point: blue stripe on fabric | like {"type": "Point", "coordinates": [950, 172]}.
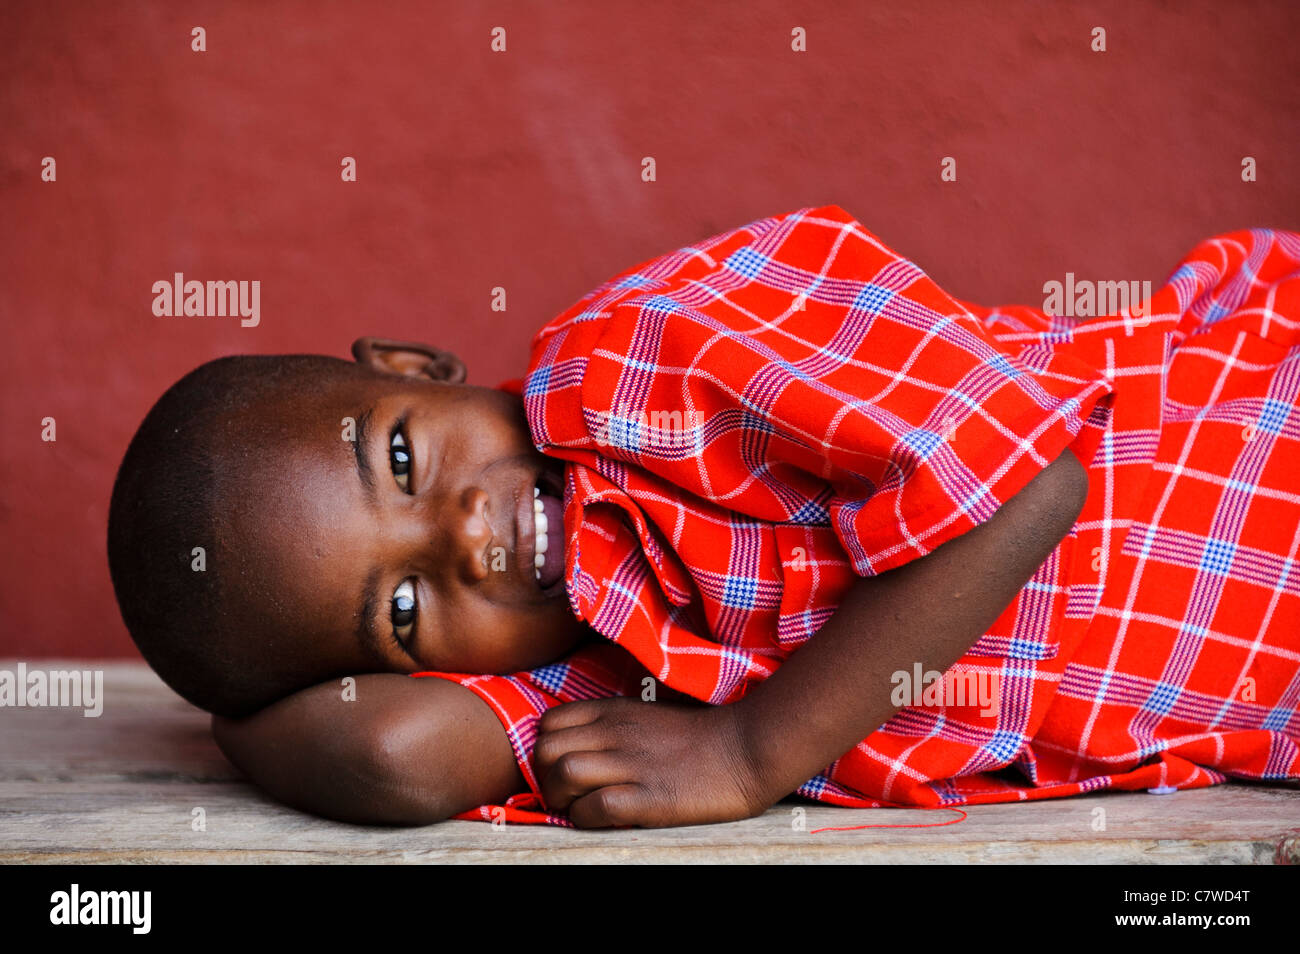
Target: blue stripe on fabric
{"type": "Point", "coordinates": [1218, 556]}
{"type": "Point", "coordinates": [1273, 416]}
{"type": "Point", "coordinates": [746, 262]}
{"type": "Point", "coordinates": [1162, 698]}
{"type": "Point", "coordinates": [538, 382]}
{"type": "Point", "coordinates": [873, 298]}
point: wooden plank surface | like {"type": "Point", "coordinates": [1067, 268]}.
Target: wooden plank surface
{"type": "Point", "coordinates": [123, 787]}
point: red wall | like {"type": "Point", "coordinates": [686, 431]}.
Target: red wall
{"type": "Point", "coordinates": [521, 169]}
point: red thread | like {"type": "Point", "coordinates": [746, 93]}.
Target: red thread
{"type": "Point", "coordinates": [952, 821]}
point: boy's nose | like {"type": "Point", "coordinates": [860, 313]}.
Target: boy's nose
{"type": "Point", "coordinates": [459, 532]}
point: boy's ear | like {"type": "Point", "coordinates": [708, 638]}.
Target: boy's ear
{"type": "Point", "coordinates": [407, 357]}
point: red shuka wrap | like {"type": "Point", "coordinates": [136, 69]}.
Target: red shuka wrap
{"type": "Point", "coordinates": [752, 422]}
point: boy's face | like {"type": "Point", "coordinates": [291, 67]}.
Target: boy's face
{"type": "Point", "coordinates": [410, 547]}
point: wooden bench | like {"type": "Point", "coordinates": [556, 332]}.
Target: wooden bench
{"type": "Point", "coordinates": [124, 787]}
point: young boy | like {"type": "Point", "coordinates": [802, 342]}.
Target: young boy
{"type": "Point", "coordinates": [783, 438]}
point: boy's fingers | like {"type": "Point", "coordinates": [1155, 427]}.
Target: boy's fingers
{"type": "Point", "coordinates": [577, 773]}
{"type": "Point", "coordinates": [571, 714]}
{"type": "Point", "coordinates": [551, 746]}
{"type": "Point", "coordinates": [611, 805]}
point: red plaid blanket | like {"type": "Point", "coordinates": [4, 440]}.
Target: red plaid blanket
{"type": "Point", "coordinates": [753, 421]}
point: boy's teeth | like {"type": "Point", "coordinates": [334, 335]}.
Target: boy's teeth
{"type": "Point", "coordinates": [541, 530]}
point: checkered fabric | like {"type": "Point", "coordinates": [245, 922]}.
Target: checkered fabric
{"type": "Point", "coordinates": [752, 422]}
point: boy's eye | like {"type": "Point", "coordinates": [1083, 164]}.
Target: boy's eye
{"type": "Point", "coordinates": [403, 614]}
{"type": "Point", "coordinates": [399, 458]}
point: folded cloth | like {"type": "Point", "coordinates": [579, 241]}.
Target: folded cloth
{"type": "Point", "coordinates": [752, 422]}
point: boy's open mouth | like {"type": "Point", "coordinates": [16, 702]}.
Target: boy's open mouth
{"type": "Point", "coordinates": [547, 551]}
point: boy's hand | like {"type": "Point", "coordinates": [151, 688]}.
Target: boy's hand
{"type": "Point", "coordinates": [626, 762]}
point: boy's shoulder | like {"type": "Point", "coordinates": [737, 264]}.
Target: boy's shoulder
{"type": "Point", "coordinates": [749, 367]}
{"type": "Point", "coordinates": [684, 275]}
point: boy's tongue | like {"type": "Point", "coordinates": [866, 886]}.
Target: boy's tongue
{"type": "Point", "coordinates": [553, 568]}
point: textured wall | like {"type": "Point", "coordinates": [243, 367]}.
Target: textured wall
{"type": "Point", "coordinates": [521, 169]}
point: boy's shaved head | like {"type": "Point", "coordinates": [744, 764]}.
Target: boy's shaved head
{"type": "Point", "coordinates": [282, 520]}
{"type": "Point", "coordinates": [177, 586]}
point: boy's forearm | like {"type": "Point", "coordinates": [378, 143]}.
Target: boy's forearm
{"type": "Point", "coordinates": [404, 751]}
{"type": "Point", "coordinates": [836, 689]}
